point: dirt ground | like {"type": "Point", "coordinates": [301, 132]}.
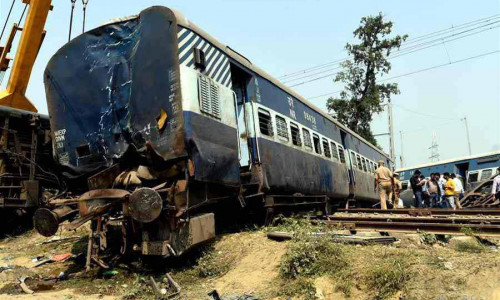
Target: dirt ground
{"type": "Point", "coordinates": [249, 263]}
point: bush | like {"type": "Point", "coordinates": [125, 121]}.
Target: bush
{"type": "Point", "coordinates": [313, 256]}
{"type": "Point", "coordinates": [428, 238]}
{"type": "Point", "coordinates": [388, 277]}
{"type": "Point", "coordinates": [470, 247]}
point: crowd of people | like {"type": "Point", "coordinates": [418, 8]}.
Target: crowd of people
{"type": "Point", "coordinates": [437, 191]}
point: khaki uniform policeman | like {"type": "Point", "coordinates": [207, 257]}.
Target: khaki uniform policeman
{"type": "Point", "coordinates": [384, 182]}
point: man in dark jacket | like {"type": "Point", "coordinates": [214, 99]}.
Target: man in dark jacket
{"type": "Point", "coordinates": [416, 186]}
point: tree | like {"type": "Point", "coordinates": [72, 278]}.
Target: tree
{"type": "Point", "coordinates": [362, 95]}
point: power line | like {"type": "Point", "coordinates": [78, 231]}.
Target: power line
{"type": "Point", "coordinates": [425, 114]}
{"type": "Point", "coordinates": [421, 70]}
{"type": "Point", "coordinates": [407, 42]}
{"type": "Point", "coordinates": [402, 52]}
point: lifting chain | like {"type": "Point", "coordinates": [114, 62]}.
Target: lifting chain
{"type": "Point", "coordinates": [84, 2]}
{"type": "Point", "coordinates": [71, 19]}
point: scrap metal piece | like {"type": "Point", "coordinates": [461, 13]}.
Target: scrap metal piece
{"type": "Point", "coordinates": [145, 205]}
{"type": "Point", "coordinates": [46, 221]}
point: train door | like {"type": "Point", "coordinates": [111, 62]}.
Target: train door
{"type": "Point", "coordinates": [350, 172]}
{"type": "Point", "coordinates": [240, 80]}
{"type": "Point", "coordinates": [462, 170]}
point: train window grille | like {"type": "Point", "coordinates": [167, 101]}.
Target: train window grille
{"type": "Point", "coordinates": [363, 160]}
{"type": "Point", "coordinates": [335, 155]}
{"type": "Point", "coordinates": [486, 174]}
{"type": "Point", "coordinates": [326, 149]}
{"type": "Point", "coordinates": [317, 144]}
{"type": "Point", "coordinates": [307, 139]}
{"type": "Point", "coordinates": [353, 160]}
{"type": "Point", "coordinates": [265, 123]}
{"type": "Point", "coordinates": [294, 129]}
{"type": "Point", "coordinates": [282, 128]}
{"type": "Point", "coordinates": [341, 154]}
{"type": "Point", "coordinates": [360, 165]}
{"type": "Point", "coordinates": [209, 97]}
{"type": "Point", "coordinates": [473, 177]}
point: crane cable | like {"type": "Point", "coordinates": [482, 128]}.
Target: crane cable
{"type": "Point", "coordinates": [84, 2]}
{"type": "Point", "coordinates": [22, 15]}
{"type": "Point", "coordinates": [7, 20]}
{"type": "Point", "coordinates": [71, 19]}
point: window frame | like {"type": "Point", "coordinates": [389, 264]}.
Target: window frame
{"type": "Point", "coordinates": [354, 160]}
{"type": "Point", "coordinates": [341, 157]}
{"type": "Point", "coordinates": [326, 151]}
{"type": "Point", "coordinates": [334, 151]}
{"type": "Point", "coordinates": [317, 148]}
{"type": "Point", "coordinates": [298, 137]}
{"type": "Point", "coordinates": [284, 129]}
{"type": "Point", "coordinates": [307, 140]}
{"type": "Point", "coordinates": [269, 126]}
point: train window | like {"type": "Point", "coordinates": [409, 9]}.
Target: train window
{"type": "Point", "coordinates": [360, 164]}
{"type": "Point", "coordinates": [353, 160]}
{"type": "Point", "coordinates": [473, 177]}
{"type": "Point", "coordinates": [317, 144]}
{"type": "Point", "coordinates": [307, 139]}
{"type": "Point", "coordinates": [341, 154]}
{"type": "Point", "coordinates": [326, 148]}
{"type": "Point", "coordinates": [486, 174]}
{"type": "Point", "coordinates": [364, 164]}
{"type": "Point", "coordinates": [404, 185]}
{"type": "Point", "coordinates": [295, 135]}
{"type": "Point", "coordinates": [282, 128]}
{"type": "Point", "coordinates": [335, 155]}
{"type": "Point", "coordinates": [265, 124]}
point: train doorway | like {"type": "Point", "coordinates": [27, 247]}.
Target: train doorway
{"type": "Point", "coordinates": [240, 80]}
{"type": "Point", "coordinates": [462, 170]}
{"type": "Point", "coordinates": [343, 136]}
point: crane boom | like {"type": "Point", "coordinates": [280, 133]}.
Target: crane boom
{"type": "Point", "coordinates": [29, 44]}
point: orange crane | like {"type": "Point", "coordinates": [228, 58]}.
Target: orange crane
{"type": "Point", "coordinates": [31, 39]}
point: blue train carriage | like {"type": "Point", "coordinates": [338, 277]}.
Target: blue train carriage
{"type": "Point", "coordinates": [292, 146]}
{"type": "Point", "coordinates": [472, 170]}
{"type": "Point", "coordinates": [160, 101]}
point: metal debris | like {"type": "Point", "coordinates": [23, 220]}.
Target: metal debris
{"type": "Point", "coordinates": [338, 238]}
{"type": "Point", "coordinates": [162, 292]}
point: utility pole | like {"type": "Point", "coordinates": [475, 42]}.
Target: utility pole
{"type": "Point", "coordinates": [391, 131]}
{"type": "Point", "coordinates": [401, 156]}
{"type": "Point", "coordinates": [467, 132]}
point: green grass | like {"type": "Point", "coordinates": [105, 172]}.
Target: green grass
{"type": "Point", "coordinates": [388, 276]}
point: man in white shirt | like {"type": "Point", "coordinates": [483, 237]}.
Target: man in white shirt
{"type": "Point", "coordinates": [495, 190]}
{"type": "Point", "coordinates": [459, 190]}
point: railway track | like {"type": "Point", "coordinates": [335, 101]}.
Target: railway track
{"type": "Point", "coordinates": [437, 221]}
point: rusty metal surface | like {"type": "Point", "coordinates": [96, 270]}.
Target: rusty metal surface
{"type": "Point", "coordinates": [46, 221]}
{"type": "Point", "coordinates": [145, 205]}
{"type": "Point", "coordinates": [438, 220]}
{"type": "Point", "coordinates": [436, 228]}
{"type": "Point", "coordinates": [104, 179]}
{"type": "Point", "coordinates": [434, 212]}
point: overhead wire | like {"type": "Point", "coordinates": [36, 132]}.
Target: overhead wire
{"type": "Point", "coordinates": [407, 42]}
{"type": "Point", "coordinates": [420, 70]}
{"type": "Point", "coordinates": [434, 44]}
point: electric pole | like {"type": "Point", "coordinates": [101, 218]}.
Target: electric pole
{"type": "Point", "coordinates": [401, 156]}
{"type": "Point", "coordinates": [467, 133]}
{"type": "Point", "coordinates": [391, 131]}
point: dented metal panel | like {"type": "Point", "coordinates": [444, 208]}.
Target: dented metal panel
{"type": "Point", "coordinates": [126, 96]}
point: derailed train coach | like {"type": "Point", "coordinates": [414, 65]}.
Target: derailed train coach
{"type": "Point", "coordinates": [156, 122]}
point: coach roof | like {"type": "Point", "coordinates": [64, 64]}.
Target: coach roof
{"type": "Point", "coordinates": [183, 21]}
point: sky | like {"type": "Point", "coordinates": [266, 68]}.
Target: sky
{"type": "Point", "coordinates": [286, 36]}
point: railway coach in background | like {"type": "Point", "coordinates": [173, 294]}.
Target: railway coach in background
{"type": "Point", "coordinates": [471, 170]}
{"type": "Point", "coordinates": [169, 128]}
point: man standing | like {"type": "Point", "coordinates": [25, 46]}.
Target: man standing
{"type": "Point", "coordinates": [416, 186]}
{"type": "Point", "coordinates": [434, 190]}
{"type": "Point", "coordinates": [495, 190]}
{"type": "Point", "coordinates": [383, 180]}
{"type": "Point", "coordinates": [449, 190]}
{"type": "Point", "coordinates": [459, 190]}
{"type": "Point", "coordinates": [398, 186]}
